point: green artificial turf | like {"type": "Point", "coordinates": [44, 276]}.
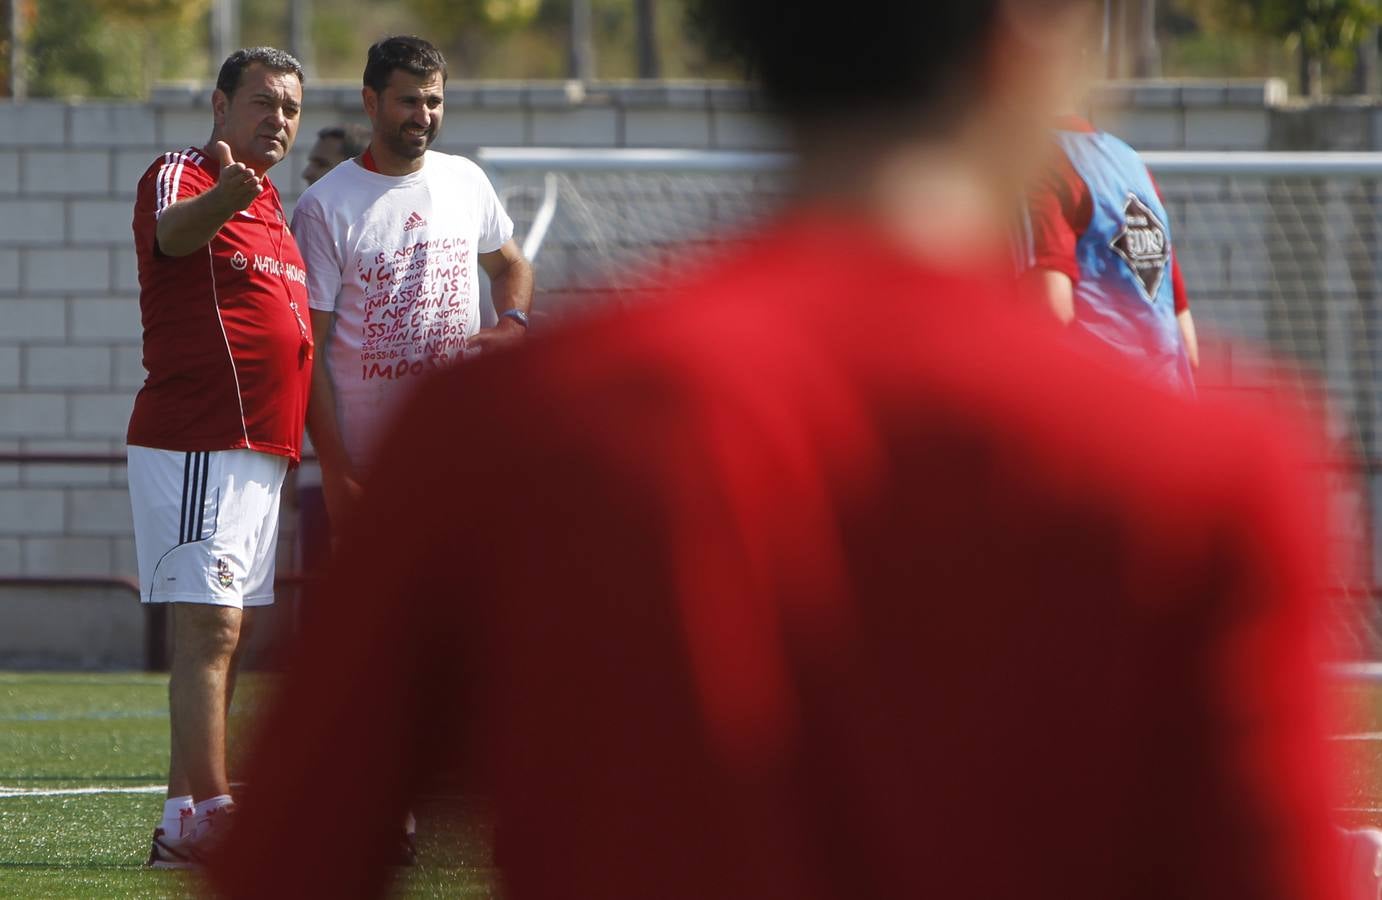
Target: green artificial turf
{"type": "Point", "coordinates": [109, 733]}
{"type": "Point", "coordinates": [1356, 754]}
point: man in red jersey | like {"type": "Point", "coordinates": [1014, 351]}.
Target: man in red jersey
{"type": "Point", "coordinates": [223, 297]}
{"type": "Point", "coordinates": [817, 580]}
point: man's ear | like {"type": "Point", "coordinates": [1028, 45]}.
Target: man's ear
{"type": "Point", "coordinates": [219, 103]}
{"type": "Point", "coordinates": [370, 99]}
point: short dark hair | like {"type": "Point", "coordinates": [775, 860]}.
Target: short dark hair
{"type": "Point", "coordinates": [411, 54]}
{"type": "Point", "coordinates": [271, 58]}
{"type": "Point", "coordinates": [908, 64]}
{"type": "Point", "coordinates": [353, 138]}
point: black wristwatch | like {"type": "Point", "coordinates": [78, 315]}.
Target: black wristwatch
{"type": "Point", "coordinates": [517, 315]}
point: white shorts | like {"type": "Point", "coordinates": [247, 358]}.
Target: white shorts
{"type": "Point", "coordinates": [206, 524]}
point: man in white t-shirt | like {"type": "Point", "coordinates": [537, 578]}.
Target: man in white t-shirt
{"type": "Point", "coordinates": [393, 242]}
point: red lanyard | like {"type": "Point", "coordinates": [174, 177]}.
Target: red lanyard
{"type": "Point", "coordinates": [303, 330]}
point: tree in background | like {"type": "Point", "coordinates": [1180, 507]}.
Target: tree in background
{"type": "Point", "coordinates": [649, 59]}
{"type": "Point", "coordinates": [156, 21]}
{"type": "Point", "coordinates": [17, 15]}
{"type": "Point", "coordinates": [109, 48]}
{"type": "Point", "coordinates": [532, 38]}
{"type": "Point", "coordinates": [463, 28]}
{"type": "Point", "coordinates": [1324, 35]}
{"type": "Point", "coordinates": [73, 53]}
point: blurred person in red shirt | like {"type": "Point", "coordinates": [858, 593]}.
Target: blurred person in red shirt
{"type": "Point", "coordinates": [829, 575]}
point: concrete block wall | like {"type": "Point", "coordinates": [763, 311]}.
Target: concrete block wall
{"type": "Point", "coordinates": [69, 324]}
{"type": "Point", "coordinates": [69, 317]}
{"type": "Point", "coordinates": [697, 115]}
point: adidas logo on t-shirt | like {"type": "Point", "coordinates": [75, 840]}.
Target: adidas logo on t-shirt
{"type": "Point", "coordinates": [414, 221]}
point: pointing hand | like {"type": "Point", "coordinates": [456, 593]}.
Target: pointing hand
{"type": "Point", "coordinates": [238, 183]}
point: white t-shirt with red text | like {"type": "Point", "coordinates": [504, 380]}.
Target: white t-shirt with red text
{"type": "Point", "coordinates": [394, 257]}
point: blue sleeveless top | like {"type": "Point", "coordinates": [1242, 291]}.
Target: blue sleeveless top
{"type": "Point", "coordinates": [1124, 296]}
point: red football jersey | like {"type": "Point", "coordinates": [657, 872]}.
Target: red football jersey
{"type": "Point", "coordinates": [227, 343]}
{"type": "Point", "coordinates": [813, 581]}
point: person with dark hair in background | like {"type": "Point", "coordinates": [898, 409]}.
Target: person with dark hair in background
{"type": "Point", "coordinates": [219, 420]}
{"type": "Point", "coordinates": [335, 144]}
{"type": "Point", "coordinates": [393, 243]}
{"type": "Point", "coordinates": [829, 575]}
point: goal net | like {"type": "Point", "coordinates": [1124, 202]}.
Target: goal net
{"type": "Point", "coordinates": [602, 226]}
{"type": "Point", "coordinates": [1283, 252]}
{"type": "Point", "coordinates": [1282, 256]}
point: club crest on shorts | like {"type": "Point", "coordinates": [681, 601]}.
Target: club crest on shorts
{"type": "Point", "coordinates": [223, 574]}
{"type": "Point", "coordinates": [1144, 245]}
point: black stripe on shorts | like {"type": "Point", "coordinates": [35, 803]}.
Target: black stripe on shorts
{"type": "Point", "coordinates": [182, 521]}
{"type": "Point", "coordinates": [195, 475]}
{"type": "Point", "coordinates": [201, 504]}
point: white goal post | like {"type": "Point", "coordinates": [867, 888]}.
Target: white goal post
{"type": "Point", "coordinates": [1280, 251]}
{"type": "Point", "coordinates": [1281, 164]}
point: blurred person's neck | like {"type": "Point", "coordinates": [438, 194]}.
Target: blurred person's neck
{"type": "Point", "coordinates": [942, 200]}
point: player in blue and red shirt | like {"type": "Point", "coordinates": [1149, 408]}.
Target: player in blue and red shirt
{"type": "Point", "coordinates": [1097, 249]}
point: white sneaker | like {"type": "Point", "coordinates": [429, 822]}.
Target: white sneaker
{"type": "Point", "coordinates": [209, 832]}
{"type": "Point", "coordinates": [167, 852]}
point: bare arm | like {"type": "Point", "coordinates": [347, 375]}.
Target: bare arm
{"type": "Point", "coordinates": [190, 224]}
{"type": "Point", "coordinates": [1054, 291]}
{"type": "Point", "coordinates": [511, 287]}
{"type": "Point", "coordinates": [1187, 332]}
{"type": "Point", "coordinates": [1187, 324]}
{"type": "Point", "coordinates": [340, 485]}
{"type": "Point", "coordinates": [511, 278]}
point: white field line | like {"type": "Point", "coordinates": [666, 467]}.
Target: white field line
{"type": "Point", "coordinates": [7, 791]}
